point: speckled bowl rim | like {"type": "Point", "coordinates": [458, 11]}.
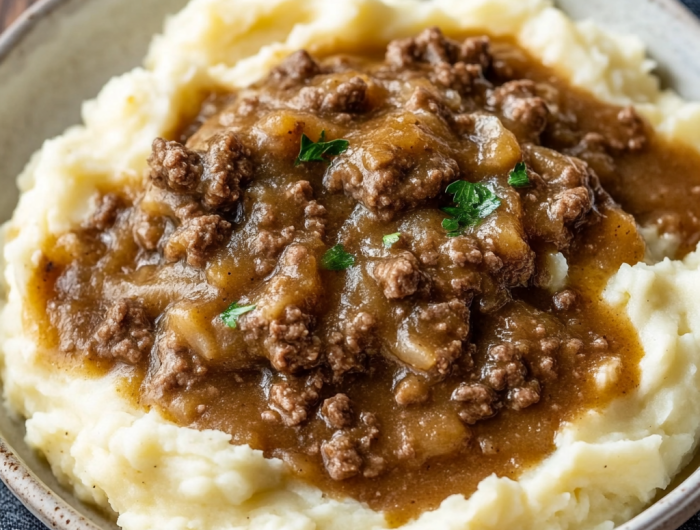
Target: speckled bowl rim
{"type": "Point", "coordinates": [669, 513]}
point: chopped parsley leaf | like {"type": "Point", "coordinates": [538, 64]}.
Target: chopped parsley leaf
{"type": "Point", "coordinates": [390, 239]}
{"type": "Point", "coordinates": [337, 259]}
{"type": "Point", "coordinates": [230, 316]}
{"type": "Point", "coordinates": [314, 151]}
{"type": "Point", "coordinates": [474, 202]}
{"type": "Point", "coordinates": [518, 177]}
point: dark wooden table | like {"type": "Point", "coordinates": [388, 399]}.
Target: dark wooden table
{"type": "Point", "coordinates": [11, 9]}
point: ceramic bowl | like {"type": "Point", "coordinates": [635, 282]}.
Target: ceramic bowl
{"type": "Point", "coordinates": [61, 52]}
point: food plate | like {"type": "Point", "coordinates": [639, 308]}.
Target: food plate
{"type": "Point", "coordinates": [61, 52]}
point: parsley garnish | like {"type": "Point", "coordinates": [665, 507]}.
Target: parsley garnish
{"type": "Point", "coordinates": [474, 202]}
{"type": "Point", "coordinates": [230, 316]}
{"type": "Point", "coordinates": [337, 259]}
{"type": "Point", "coordinates": [518, 177]}
{"type": "Point", "coordinates": [313, 152]}
{"type": "Point", "coordinates": [390, 239]}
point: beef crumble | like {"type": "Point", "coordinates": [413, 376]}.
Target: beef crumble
{"type": "Point", "coordinates": [432, 361]}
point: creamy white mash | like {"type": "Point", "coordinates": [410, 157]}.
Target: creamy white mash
{"type": "Point", "coordinates": [155, 475]}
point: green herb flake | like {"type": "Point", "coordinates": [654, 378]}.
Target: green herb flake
{"type": "Point", "coordinates": [518, 177]}
{"type": "Point", "coordinates": [231, 315]}
{"type": "Point", "coordinates": [390, 239]}
{"type": "Point", "coordinates": [474, 202]}
{"type": "Point", "coordinates": [315, 151]}
{"type": "Point", "coordinates": [337, 259]}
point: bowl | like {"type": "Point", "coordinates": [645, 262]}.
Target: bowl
{"type": "Point", "coordinates": [61, 52]}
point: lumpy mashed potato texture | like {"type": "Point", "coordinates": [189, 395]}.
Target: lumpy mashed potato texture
{"type": "Point", "coordinates": [155, 475]}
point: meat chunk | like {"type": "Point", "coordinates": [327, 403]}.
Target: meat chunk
{"type": "Point", "coordinates": [392, 176]}
{"type": "Point", "coordinates": [294, 399]}
{"type": "Point", "coordinates": [522, 107]}
{"type": "Point", "coordinates": [295, 69]}
{"type": "Point", "coordinates": [460, 77]}
{"type": "Point", "coordinates": [505, 369]}
{"type": "Point", "coordinates": [424, 100]}
{"type": "Point", "coordinates": [464, 251]}
{"type": "Point", "coordinates": [562, 198]}
{"type": "Point", "coordinates": [179, 366]}
{"type": "Point", "coordinates": [524, 396]}
{"type": "Point", "coordinates": [432, 47]}
{"type": "Point", "coordinates": [477, 402]}
{"type": "Point", "coordinates": [633, 135]}
{"type": "Point", "coordinates": [398, 276]}
{"type": "Point", "coordinates": [106, 210]}
{"type": "Point", "coordinates": [340, 456]}
{"type": "Point", "coordinates": [196, 238]}
{"type": "Point", "coordinates": [148, 230]}
{"type": "Point", "coordinates": [564, 300]}
{"type": "Point", "coordinates": [268, 246]}
{"type": "Point", "coordinates": [301, 193]}
{"type": "Point", "coordinates": [338, 411]}
{"type": "Point", "coordinates": [174, 166]}
{"type": "Point", "coordinates": [289, 342]}
{"type": "Point", "coordinates": [281, 326]}
{"type": "Point", "coordinates": [213, 175]}
{"type": "Point", "coordinates": [347, 350]}
{"type": "Point", "coordinates": [433, 336]}
{"type": "Point", "coordinates": [345, 97]}
{"type": "Point", "coordinates": [126, 333]}
{"type": "Point", "coordinates": [227, 165]}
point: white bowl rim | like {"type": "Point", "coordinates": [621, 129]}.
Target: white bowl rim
{"type": "Point", "coordinates": [669, 513]}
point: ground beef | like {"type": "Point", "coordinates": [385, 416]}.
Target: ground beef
{"type": "Point", "coordinates": [347, 351]}
{"type": "Point", "coordinates": [341, 457]}
{"type": "Point", "coordinates": [212, 176]}
{"type": "Point", "coordinates": [450, 320]}
{"type": "Point", "coordinates": [268, 246]}
{"type": "Point", "coordinates": [520, 398]}
{"type": "Point", "coordinates": [338, 411]}
{"type": "Point", "coordinates": [227, 165]}
{"type": "Point", "coordinates": [126, 333]}
{"type": "Point", "coordinates": [106, 210]}
{"type": "Point", "coordinates": [399, 276]}
{"type": "Point", "coordinates": [422, 100]}
{"type": "Point", "coordinates": [297, 68]}
{"type": "Point", "coordinates": [301, 193]}
{"type": "Point", "coordinates": [564, 300]}
{"type": "Point", "coordinates": [294, 399]}
{"type": "Point", "coordinates": [476, 402]}
{"type": "Point", "coordinates": [520, 105]}
{"type": "Point", "coordinates": [505, 369]}
{"type": "Point", "coordinates": [179, 366]}
{"type": "Point", "coordinates": [634, 134]}
{"type": "Point", "coordinates": [148, 230]}
{"type": "Point", "coordinates": [175, 167]}
{"type": "Point", "coordinates": [460, 77]}
{"type": "Point", "coordinates": [463, 251]}
{"type": "Point", "coordinates": [346, 97]}
{"type": "Point", "coordinates": [287, 341]}
{"type": "Point", "coordinates": [388, 179]}
{"type": "Point", "coordinates": [561, 198]}
{"type": "Point", "coordinates": [196, 238]}
{"type": "Point", "coordinates": [432, 47]}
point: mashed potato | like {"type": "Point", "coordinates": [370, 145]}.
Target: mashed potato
{"type": "Point", "coordinates": [607, 466]}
